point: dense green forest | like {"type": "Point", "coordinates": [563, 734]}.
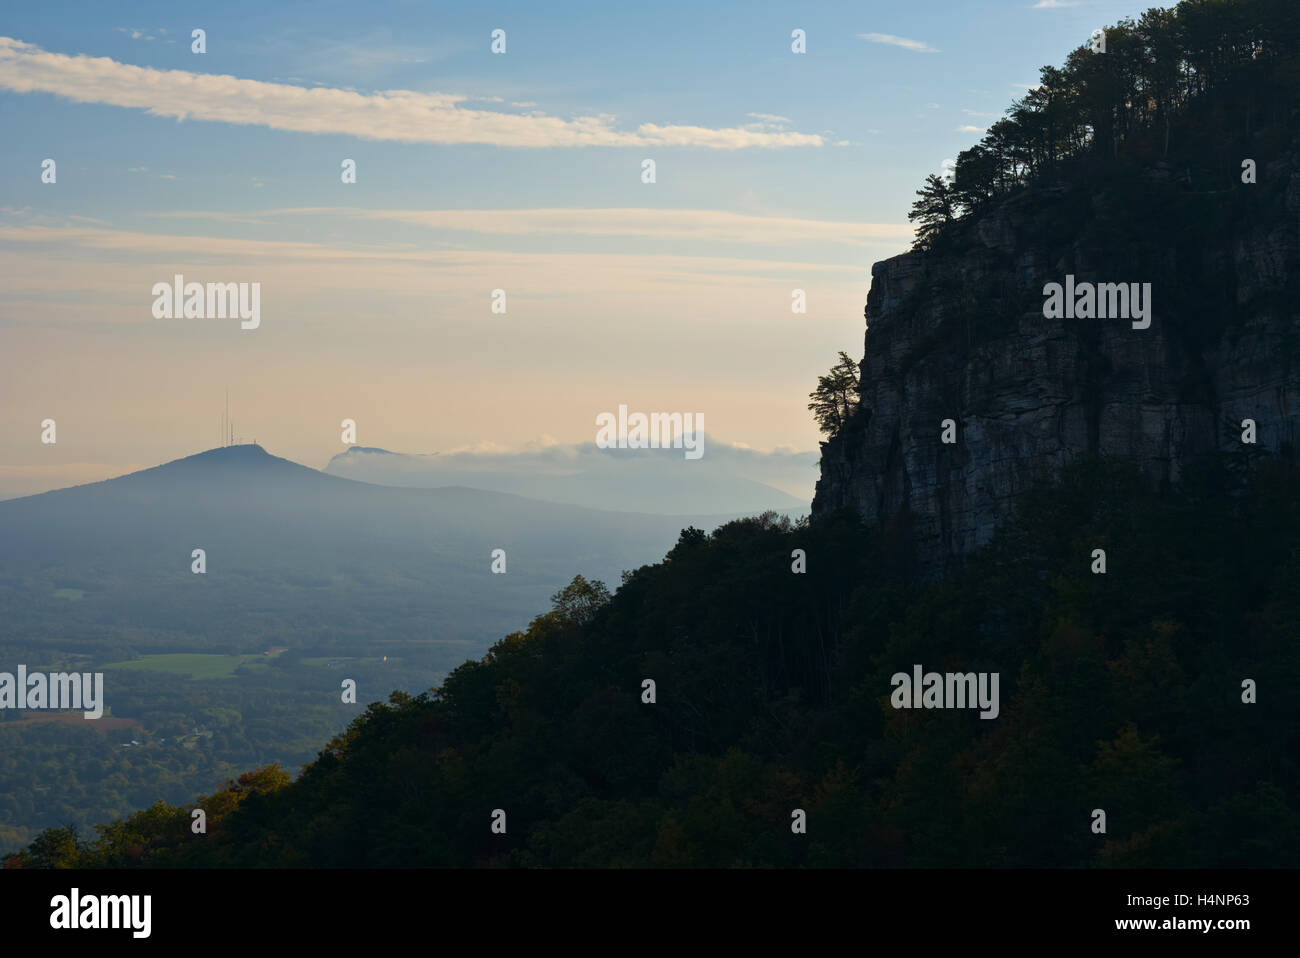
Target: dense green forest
{"type": "Point", "coordinates": [1120, 691]}
{"type": "Point", "coordinates": [1197, 87]}
{"type": "Point", "coordinates": [171, 734]}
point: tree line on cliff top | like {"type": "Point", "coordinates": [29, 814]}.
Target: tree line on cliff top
{"type": "Point", "coordinates": [1237, 61]}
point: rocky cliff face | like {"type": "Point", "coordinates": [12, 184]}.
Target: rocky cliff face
{"type": "Point", "coordinates": [959, 333]}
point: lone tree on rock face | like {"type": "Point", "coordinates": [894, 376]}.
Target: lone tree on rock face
{"type": "Point", "coordinates": [836, 395]}
{"type": "Point", "coordinates": [934, 209]}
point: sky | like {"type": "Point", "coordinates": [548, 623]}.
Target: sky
{"type": "Point", "coordinates": [520, 171]}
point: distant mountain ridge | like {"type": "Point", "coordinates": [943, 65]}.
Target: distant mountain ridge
{"type": "Point", "coordinates": [233, 460]}
{"type": "Point", "coordinates": [277, 534]}
{"type": "Point", "coordinates": [727, 479]}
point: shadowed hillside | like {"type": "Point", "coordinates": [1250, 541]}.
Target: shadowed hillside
{"type": "Point", "coordinates": [1120, 691]}
{"type": "Point", "coordinates": [1171, 161]}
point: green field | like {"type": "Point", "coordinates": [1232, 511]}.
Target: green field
{"type": "Point", "coordinates": [324, 661]}
{"type": "Point", "coordinates": [196, 665]}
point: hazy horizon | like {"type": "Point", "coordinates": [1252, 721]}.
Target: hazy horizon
{"type": "Point", "coordinates": [469, 465]}
{"type": "Point", "coordinates": [520, 171]}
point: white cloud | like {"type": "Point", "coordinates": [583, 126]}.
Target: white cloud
{"type": "Point", "coordinates": [771, 118]}
{"type": "Point", "coordinates": [1054, 4]}
{"type": "Point", "coordinates": [594, 471]}
{"type": "Point", "coordinates": [916, 46]}
{"type": "Point", "coordinates": [138, 34]}
{"type": "Point", "coordinates": [970, 129]}
{"type": "Point", "coordinates": [393, 115]}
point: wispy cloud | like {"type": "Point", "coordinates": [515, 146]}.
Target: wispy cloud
{"type": "Point", "coordinates": [216, 216]}
{"type": "Point", "coordinates": [136, 33]}
{"type": "Point", "coordinates": [393, 115]}
{"type": "Point", "coordinates": [1055, 4]}
{"type": "Point", "coordinates": [454, 262]}
{"type": "Point", "coordinates": [145, 170]}
{"type": "Point", "coordinates": [916, 46]}
{"type": "Point", "coordinates": [770, 118]}
{"type": "Point", "coordinates": [675, 224]}
{"type": "Point", "coordinates": [321, 285]}
{"type": "Point", "coordinates": [970, 129]}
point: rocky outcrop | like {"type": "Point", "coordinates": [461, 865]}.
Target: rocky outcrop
{"type": "Point", "coordinates": [959, 333]}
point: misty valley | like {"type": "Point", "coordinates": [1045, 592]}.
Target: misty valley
{"type": "Point", "coordinates": [309, 580]}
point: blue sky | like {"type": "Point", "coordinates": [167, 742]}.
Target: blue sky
{"type": "Point", "coordinates": [519, 171]}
